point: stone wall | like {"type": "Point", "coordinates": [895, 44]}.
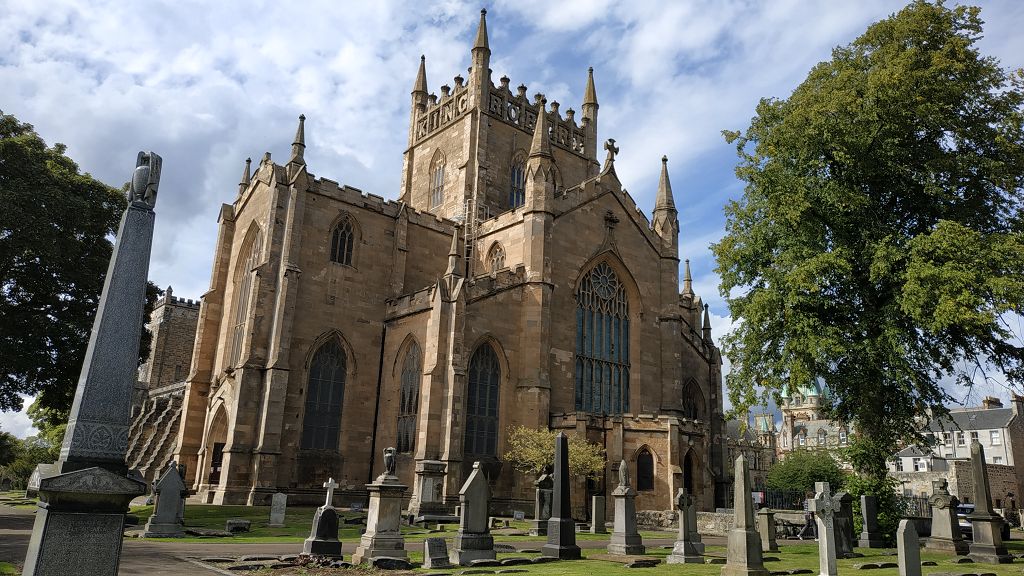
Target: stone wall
{"type": "Point", "coordinates": [1002, 479]}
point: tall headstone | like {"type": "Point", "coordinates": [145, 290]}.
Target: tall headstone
{"type": "Point", "coordinates": [625, 538]}
{"type": "Point", "coordinates": [766, 528]}
{"type": "Point", "coordinates": [168, 520]}
{"type": "Point", "coordinates": [323, 536]}
{"type": "Point", "coordinates": [278, 508]}
{"type": "Point", "coordinates": [824, 507]}
{"type": "Point", "coordinates": [383, 536]}
{"type": "Point", "coordinates": [561, 528]}
{"type": "Point", "coordinates": [908, 549]}
{"type": "Point", "coordinates": [870, 534]}
{"type": "Point", "coordinates": [597, 521]}
{"type": "Point", "coordinates": [691, 513]}
{"type": "Point", "coordinates": [744, 554]}
{"type": "Point", "coordinates": [473, 540]}
{"type": "Point", "coordinates": [987, 542]}
{"type": "Point", "coordinates": [427, 503]}
{"type": "Point", "coordinates": [946, 535]}
{"type": "Point", "coordinates": [542, 503]}
{"type": "Point", "coordinates": [80, 521]}
{"type": "Point", "coordinates": [843, 522]}
{"type": "Point", "coordinates": [684, 552]}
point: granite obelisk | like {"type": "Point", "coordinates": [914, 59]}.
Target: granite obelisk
{"type": "Point", "coordinates": [80, 520]}
{"type": "Point", "coordinates": [561, 528]}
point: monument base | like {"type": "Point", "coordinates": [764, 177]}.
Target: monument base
{"type": "Point", "coordinates": [80, 523]}
{"type": "Point", "coordinates": [684, 553]}
{"type": "Point", "coordinates": [872, 541]}
{"type": "Point", "coordinates": [958, 547]}
{"type": "Point", "coordinates": [561, 540]}
{"type": "Point", "coordinates": [379, 547]}
{"type": "Point", "coordinates": [163, 530]}
{"type": "Point", "coordinates": [540, 528]}
{"type": "Point", "coordinates": [315, 547]}
{"type": "Point", "coordinates": [469, 547]}
{"type": "Point", "coordinates": [990, 554]}
{"type": "Point", "coordinates": [627, 546]}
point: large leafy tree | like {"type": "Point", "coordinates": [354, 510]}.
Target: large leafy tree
{"type": "Point", "coordinates": [800, 469]}
{"type": "Point", "coordinates": [878, 245]}
{"type": "Point", "coordinates": [55, 230]}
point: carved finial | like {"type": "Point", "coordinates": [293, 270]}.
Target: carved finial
{"type": "Point", "coordinates": [446, 90]}
{"type": "Point", "coordinates": [266, 158]}
{"type": "Point", "coordinates": [146, 179]}
{"type": "Point", "coordinates": [299, 145]}
{"type": "Point", "coordinates": [419, 87]}
{"type": "Point", "coordinates": [687, 280]}
{"type": "Point", "coordinates": [623, 474]}
{"type": "Point", "coordinates": [664, 200]}
{"type": "Point", "coordinates": [541, 143]}
{"type": "Point", "coordinates": [453, 256]}
{"type": "Point", "coordinates": [521, 91]}
{"type": "Point", "coordinates": [707, 324]}
{"type": "Point", "coordinates": [590, 94]}
{"type": "Point", "coordinates": [246, 176]}
{"type": "Point", "coordinates": [481, 34]}
{"type": "Point", "coordinates": [609, 161]}
{"type": "Point", "coordinates": [504, 81]}
{"type": "Point", "coordinates": [459, 80]}
{"type": "Point", "coordinates": [389, 461]}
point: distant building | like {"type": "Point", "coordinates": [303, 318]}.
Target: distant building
{"type": "Point", "coordinates": [756, 443]}
{"type": "Point", "coordinates": [804, 424]}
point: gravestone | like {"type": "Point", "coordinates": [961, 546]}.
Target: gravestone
{"type": "Point", "coordinates": [473, 541]}
{"type": "Point", "coordinates": [383, 537]}
{"type": "Point", "coordinates": [824, 507]}
{"type": "Point", "coordinates": [946, 534]}
{"type": "Point", "coordinates": [987, 540]}
{"type": "Point", "coordinates": [743, 557]}
{"type": "Point", "coordinates": [625, 540]}
{"type": "Point", "coordinates": [435, 554]}
{"type": "Point", "coordinates": [766, 529]}
{"type": "Point", "coordinates": [427, 502]}
{"type": "Point", "coordinates": [167, 520]}
{"type": "Point", "coordinates": [691, 512]}
{"type": "Point", "coordinates": [561, 529]}
{"type": "Point", "coordinates": [542, 502]}
{"type": "Point", "coordinates": [870, 534]}
{"type": "Point", "coordinates": [684, 552]}
{"type": "Point", "coordinates": [908, 549]}
{"type": "Point", "coordinates": [6, 484]}
{"type": "Point", "coordinates": [278, 507]}
{"type": "Point", "coordinates": [80, 520]}
{"type": "Point", "coordinates": [597, 522]}
{"type": "Point", "coordinates": [323, 536]}
{"type": "Point", "coordinates": [843, 522]}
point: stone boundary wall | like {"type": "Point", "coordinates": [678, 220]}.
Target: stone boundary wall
{"type": "Point", "coordinates": [708, 523]}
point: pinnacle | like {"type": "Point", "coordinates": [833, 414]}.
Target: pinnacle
{"type": "Point", "coordinates": [664, 200]}
{"type": "Point", "coordinates": [590, 95]}
{"type": "Point", "coordinates": [420, 86]}
{"type": "Point", "coordinates": [481, 33]}
{"type": "Point", "coordinates": [541, 143]}
{"type": "Point", "coordinates": [299, 145]}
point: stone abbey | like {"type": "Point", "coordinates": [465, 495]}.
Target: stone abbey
{"type": "Point", "coordinates": [513, 283]}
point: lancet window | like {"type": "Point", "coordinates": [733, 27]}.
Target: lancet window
{"type": "Point", "coordinates": [325, 391]}
{"type": "Point", "coordinates": [343, 241]}
{"type": "Point", "coordinates": [482, 402]}
{"type": "Point", "coordinates": [243, 288]}
{"type": "Point", "coordinates": [517, 184]}
{"type": "Point", "coordinates": [602, 343]}
{"type": "Point", "coordinates": [644, 470]}
{"type": "Point", "coordinates": [496, 257]}
{"type": "Point", "coordinates": [437, 180]}
{"type": "Point", "coordinates": [409, 399]}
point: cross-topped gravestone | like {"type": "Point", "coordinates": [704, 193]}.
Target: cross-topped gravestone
{"type": "Point", "coordinates": [908, 549]}
{"type": "Point", "coordinates": [625, 538]}
{"type": "Point", "coordinates": [946, 534]}
{"type": "Point", "coordinates": [79, 525]}
{"type": "Point", "coordinates": [986, 526]}
{"type": "Point", "coordinates": [473, 540]}
{"type": "Point", "coordinates": [684, 552]}
{"type": "Point", "coordinates": [561, 528]}
{"type": "Point", "coordinates": [824, 507]}
{"type": "Point", "coordinates": [743, 557]}
{"type": "Point", "coordinates": [323, 536]}
{"type": "Point", "coordinates": [167, 520]}
{"type": "Point", "coordinates": [330, 485]}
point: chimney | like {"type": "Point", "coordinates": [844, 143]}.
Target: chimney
{"type": "Point", "coordinates": [1018, 404]}
{"type": "Point", "coordinates": [990, 402]}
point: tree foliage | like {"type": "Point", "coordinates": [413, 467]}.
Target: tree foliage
{"type": "Point", "coordinates": [55, 231]}
{"type": "Point", "coordinates": [800, 469]}
{"type": "Point", "coordinates": [531, 450]}
{"type": "Point", "coordinates": [878, 243]}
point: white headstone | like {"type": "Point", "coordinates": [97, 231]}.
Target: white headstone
{"type": "Point", "coordinates": [824, 507]}
{"type": "Point", "coordinates": [908, 549]}
{"type": "Point", "coordinates": [278, 507]}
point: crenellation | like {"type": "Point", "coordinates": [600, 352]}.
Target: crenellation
{"type": "Point", "coordinates": [409, 304]}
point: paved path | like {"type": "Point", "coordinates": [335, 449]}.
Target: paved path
{"type": "Point", "coordinates": [148, 558]}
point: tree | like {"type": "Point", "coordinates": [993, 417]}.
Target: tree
{"type": "Point", "coordinates": [55, 230]}
{"type": "Point", "coordinates": [531, 450]}
{"type": "Point", "coordinates": [800, 469]}
{"type": "Point", "coordinates": [878, 245]}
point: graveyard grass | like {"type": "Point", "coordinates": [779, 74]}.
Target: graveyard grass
{"type": "Point", "coordinates": [7, 568]}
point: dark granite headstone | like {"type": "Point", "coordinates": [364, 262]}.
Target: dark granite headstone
{"type": "Point", "coordinates": [561, 528]}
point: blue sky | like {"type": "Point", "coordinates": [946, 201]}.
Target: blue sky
{"type": "Point", "coordinates": [206, 85]}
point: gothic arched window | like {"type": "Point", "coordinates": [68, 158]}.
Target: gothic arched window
{"type": "Point", "coordinates": [437, 180]}
{"type": "Point", "coordinates": [343, 239]}
{"type": "Point", "coordinates": [496, 257]}
{"type": "Point", "coordinates": [243, 287]}
{"type": "Point", "coordinates": [602, 343]}
{"type": "Point", "coordinates": [409, 399]}
{"type": "Point", "coordinates": [517, 184]}
{"type": "Point", "coordinates": [482, 403]}
{"type": "Point", "coordinates": [324, 394]}
{"type": "Point", "coordinates": [693, 401]}
{"type": "Point", "coordinates": [644, 470]}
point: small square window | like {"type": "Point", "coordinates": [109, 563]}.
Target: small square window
{"type": "Point", "coordinates": [995, 437]}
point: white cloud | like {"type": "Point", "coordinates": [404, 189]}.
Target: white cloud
{"type": "Point", "coordinates": [18, 423]}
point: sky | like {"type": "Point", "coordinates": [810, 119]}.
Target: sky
{"type": "Point", "coordinates": [208, 84]}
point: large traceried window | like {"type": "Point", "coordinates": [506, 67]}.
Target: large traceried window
{"type": "Point", "coordinates": [409, 399]}
{"type": "Point", "coordinates": [324, 394]}
{"type": "Point", "coordinates": [343, 240]}
{"type": "Point", "coordinates": [602, 343]}
{"type": "Point", "coordinates": [437, 180]}
{"type": "Point", "coordinates": [482, 402]}
{"type": "Point", "coordinates": [517, 184]}
{"type": "Point", "coordinates": [693, 401]}
{"type": "Point", "coordinates": [243, 288]}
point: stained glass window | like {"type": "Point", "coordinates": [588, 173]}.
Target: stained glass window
{"type": "Point", "coordinates": [324, 395]}
{"type": "Point", "coordinates": [517, 188]}
{"type": "Point", "coordinates": [437, 180]}
{"type": "Point", "coordinates": [496, 257]}
{"type": "Point", "coordinates": [482, 403]}
{"type": "Point", "coordinates": [602, 343]}
{"type": "Point", "coordinates": [243, 288]}
{"type": "Point", "coordinates": [409, 399]}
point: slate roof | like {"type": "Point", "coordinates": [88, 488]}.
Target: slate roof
{"type": "Point", "coordinates": [732, 429]}
{"type": "Point", "coordinates": [973, 419]}
{"type": "Point", "coordinates": [914, 451]}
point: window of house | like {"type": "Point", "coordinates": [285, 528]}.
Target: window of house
{"type": "Point", "coordinates": [899, 464]}
{"type": "Point", "coordinates": [602, 343]}
{"type": "Point", "coordinates": [409, 400]}
{"type": "Point", "coordinates": [997, 459]}
{"type": "Point", "coordinates": [644, 470]}
{"type": "Point", "coordinates": [342, 242]}
{"type": "Point", "coordinates": [947, 438]}
{"type": "Point", "coordinates": [496, 257]}
{"type": "Point", "coordinates": [960, 439]}
{"type": "Point", "coordinates": [974, 437]}
{"type": "Point", "coordinates": [483, 389]}
{"type": "Point", "coordinates": [243, 288]}
{"type": "Point", "coordinates": [843, 437]}
{"type": "Point", "coordinates": [437, 180]}
{"type": "Point", "coordinates": [803, 439]}
{"type": "Point", "coordinates": [920, 465]}
{"type": "Point", "coordinates": [995, 437]}
{"type": "Point", "coordinates": [517, 184]}
{"type": "Point", "coordinates": [822, 437]}
{"type": "Point", "coordinates": [325, 391]}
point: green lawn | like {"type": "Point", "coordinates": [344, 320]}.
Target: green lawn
{"type": "Point", "coordinates": [8, 568]}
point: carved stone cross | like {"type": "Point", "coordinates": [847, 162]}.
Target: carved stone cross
{"type": "Point", "coordinates": [330, 485]}
{"type": "Point", "coordinates": [824, 507]}
{"type": "Point", "coordinates": [612, 151]}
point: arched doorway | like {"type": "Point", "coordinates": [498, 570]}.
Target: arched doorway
{"type": "Point", "coordinates": [216, 439]}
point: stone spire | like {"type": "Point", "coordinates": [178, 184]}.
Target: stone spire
{"type": "Point", "coordinates": [664, 200]}
{"type": "Point", "coordinates": [590, 118]}
{"type": "Point", "coordinates": [299, 145]}
{"type": "Point", "coordinates": [481, 34]}
{"type": "Point", "coordinates": [707, 325]}
{"type": "Point", "coordinates": [420, 86]}
{"type": "Point", "coordinates": [590, 95]}
{"type": "Point", "coordinates": [687, 280]}
{"type": "Point", "coordinates": [540, 146]}
{"type": "Point", "coordinates": [666, 219]}
{"type": "Point", "coordinates": [246, 177]}
{"type": "Point", "coordinates": [453, 256]}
